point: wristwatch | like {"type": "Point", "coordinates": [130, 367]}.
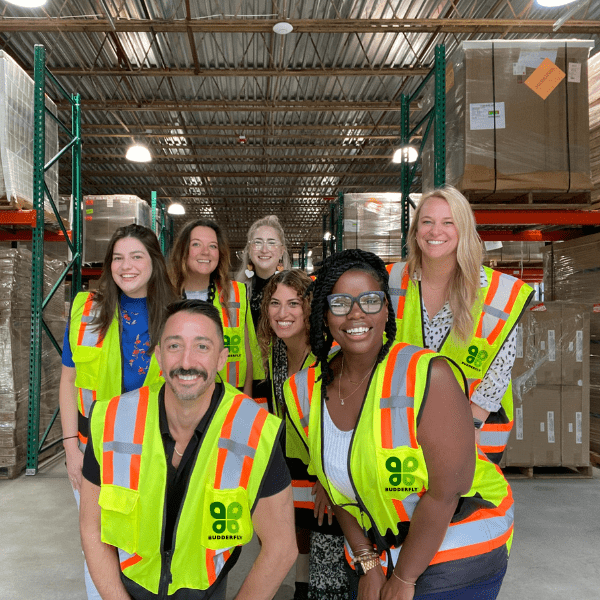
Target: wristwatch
{"type": "Point", "coordinates": [362, 564]}
{"type": "Point", "coordinates": [478, 423]}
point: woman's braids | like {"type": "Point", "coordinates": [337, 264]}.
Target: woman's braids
{"type": "Point", "coordinates": [332, 269]}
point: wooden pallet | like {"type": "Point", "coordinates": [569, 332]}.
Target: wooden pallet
{"type": "Point", "coordinates": [548, 472]}
{"type": "Point", "coordinates": [595, 459]}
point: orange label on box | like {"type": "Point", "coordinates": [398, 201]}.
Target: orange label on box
{"type": "Point", "coordinates": [545, 78]}
{"type": "Point", "coordinates": [596, 308]}
{"type": "Point", "coordinates": [538, 307]}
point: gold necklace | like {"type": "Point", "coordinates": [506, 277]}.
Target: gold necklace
{"type": "Point", "coordinates": [356, 388]}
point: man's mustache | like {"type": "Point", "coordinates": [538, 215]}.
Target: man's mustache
{"type": "Point", "coordinates": [188, 373]}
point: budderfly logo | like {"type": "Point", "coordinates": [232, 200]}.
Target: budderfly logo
{"type": "Point", "coordinates": [226, 524]}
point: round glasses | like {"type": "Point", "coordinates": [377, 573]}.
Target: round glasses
{"type": "Point", "coordinates": [259, 243]}
{"type": "Point", "coordinates": [370, 303]}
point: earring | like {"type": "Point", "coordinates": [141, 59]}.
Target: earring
{"type": "Point", "coordinates": [280, 265]}
{"type": "Point", "coordinates": [250, 271]}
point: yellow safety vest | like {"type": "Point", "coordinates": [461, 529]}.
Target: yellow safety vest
{"type": "Point", "coordinates": [98, 361]}
{"type": "Point", "coordinates": [391, 480]}
{"type": "Point", "coordinates": [503, 301]}
{"type": "Point", "coordinates": [222, 492]}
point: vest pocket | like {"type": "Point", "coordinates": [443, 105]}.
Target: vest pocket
{"type": "Point", "coordinates": [87, 364]}
{"type": "Point", "coordinates": [120, 517]}
{"type": "Point", "coordinates": [226, 519]}
{"type": "Point", "coordinates": [400, 471]}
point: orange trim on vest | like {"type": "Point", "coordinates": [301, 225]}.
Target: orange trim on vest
{"type": "Point", "coordinates": [226, 433]}
{"type": "Point", "coordinates": [109, 436]}
{"type": "Point", "coordinates": [401, 512]}
{"type": "Point", "coordinates": [410, 413]}
{"type": "Point", "coordinates": [132, 560]}
{"type": "Point", "coordinates": [138, 438]}
{"type": "Point", "coordinates": [253, 440]}
{"type": "Point", "coordinates": [488, 299]}
{"type": "Point", "coordinates": [87, 308]}
{"type": "Point", "coordinates": [474, 384]}
{"type": "Point", "coordinates": [210, 564]}
{"type": "Point", "coordinates": [411, 372]}
{"type": "Point", "coordinates": [386, 428]}
{"type": "Point", "coordinates": [386, 390]}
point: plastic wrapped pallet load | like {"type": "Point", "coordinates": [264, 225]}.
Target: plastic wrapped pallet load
{"type": "Point", "coordinates": [16, 139]}
{"type": "Point", "coordinates": [516, 117]}
{"type": "Point", "coordinates": [594, 85]}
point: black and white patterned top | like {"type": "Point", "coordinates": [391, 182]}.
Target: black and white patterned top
{"type": "Point", "coordinates": [488, 394]}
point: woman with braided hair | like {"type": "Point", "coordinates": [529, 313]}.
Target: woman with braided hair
{"type": "Point", "coordinates": [199, 269]}
{"type": "Point", "coordinates": [390, 436]}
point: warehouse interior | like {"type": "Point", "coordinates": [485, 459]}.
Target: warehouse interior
{"type": "Point", "coordinates": [297, 109]}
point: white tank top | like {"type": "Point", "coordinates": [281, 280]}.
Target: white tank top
{"type": "Point", "coordinates": [336, 445]}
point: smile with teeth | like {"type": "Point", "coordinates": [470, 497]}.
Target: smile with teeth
{"type": "Point", "coordinates": [284, 324]}
{"type": "Point", "coordinates": [128, 275]}
{"type": "Point", "coordinates": [357, 330]}
{"type": "Point", "coordinates": [436, 242]}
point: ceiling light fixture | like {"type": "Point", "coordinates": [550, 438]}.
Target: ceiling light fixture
{"type": "Point", "coordinates": [28, 3]}
{"type": "Point", "coordinates": [176, 209]}
{"type": "Point", "coordinates": [138, 153]}
{"type": "Point", "coordinates": [283, 28]}
{"type": "Point", "coordinates": [405, 154]}
{"type": "Point", "coordinates": [554, 3]}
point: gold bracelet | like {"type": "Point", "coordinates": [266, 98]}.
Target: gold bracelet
{"type": "Point", "coordinates": [402, 580]}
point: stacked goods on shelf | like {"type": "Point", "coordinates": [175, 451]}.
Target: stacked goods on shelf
{"type": "Point", "coordinates": [102, 215]}
{"type": "Point", "coordinates": [516, 118]}
{"type": "Point", "coordinates": [15, 332]}
{"type": "Point", "coordinates": [594, 84]}
{"type": "Point", "coordinates": [572, 273]}
{"type": "Point", "coordinates": [551, 387]}
{"type": "Point", "coordinates": [372, 223]}
{"type": "Point", "coordinates": [16, 139]}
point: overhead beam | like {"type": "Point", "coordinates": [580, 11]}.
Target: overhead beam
{"type": "Point", "coordinates": [194, 159]}
{"type": "Point", "coordinates": [218, 25]}
{"type": "Point", "coordinates": [230, 136]}
{"type": "Point", "coordinates": [534, 235]}
{"type": "Point", "coordinates": [254, 72]}
{"type": "Point", "coordinates": [239, 128]}
{"type": "Point", "coordinates": [537, 217]}
{"type": "Point", "coordinates": [234, 174]}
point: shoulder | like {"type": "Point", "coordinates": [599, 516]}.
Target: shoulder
{"type": "Point", "coordinates": [80, 302]}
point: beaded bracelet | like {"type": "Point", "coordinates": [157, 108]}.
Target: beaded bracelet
{"type": "Point", "coordinates": [402, 580]}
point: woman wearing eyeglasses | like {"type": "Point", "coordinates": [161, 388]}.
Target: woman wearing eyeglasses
{"type": "Point", "coordinates": [199, 269]}
{"type": "Point", "coordinates": [390, 436]}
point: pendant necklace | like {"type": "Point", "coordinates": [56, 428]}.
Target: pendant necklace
{"type": "Point", "coordinates": [355, 389]}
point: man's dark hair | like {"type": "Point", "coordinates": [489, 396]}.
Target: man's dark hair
{"type": "Point", "coordinates": [195, 307]}
{"type": "Point", "coordinates": [333, 268]}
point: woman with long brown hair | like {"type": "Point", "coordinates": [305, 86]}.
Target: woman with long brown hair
{"type": "Point", "coordinates": [110, 337]}
{"type": "Point", "coordinates": [199, 268]}
{"type": "Point", "coordinates": [283, 335]}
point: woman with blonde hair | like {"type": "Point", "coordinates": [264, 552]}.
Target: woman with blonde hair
{"type": "Point", "coordinates": [446, 300]}
{"type": "Point", "coordinates": [199, 268]}
{"type": "Point", "coordinates": [283, 336]}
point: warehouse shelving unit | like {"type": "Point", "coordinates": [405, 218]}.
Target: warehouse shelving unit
{"type": "Point", "coordinates": [164, 229]}
{"type": "Point", "coordinates": [35, 445]}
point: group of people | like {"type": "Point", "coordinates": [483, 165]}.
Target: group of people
{"type": "Point", "coordinates": [354, 420]}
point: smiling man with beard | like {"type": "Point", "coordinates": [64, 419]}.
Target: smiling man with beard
{"type": "Point", "coordinates": [178, 477]}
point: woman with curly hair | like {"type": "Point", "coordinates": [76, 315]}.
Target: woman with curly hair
{"type": "Point", "coordinates": [446, 300]}
{"type": "Point", "coordinates": [390, 436]}
{"type": "Point", "coordinates": [109, 339]}
{"type": "Point", "coordinates": [199, 268]}
{"type": "Point", "coordinates": [284, 344]}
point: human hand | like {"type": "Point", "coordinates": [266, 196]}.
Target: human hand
{"type": "Point", "coordinates": [394, 589]}
{"type": "Point", "coordinates": [74, 460]}
{"type": "Point", "coordinates": [371, 584]}
{"type": "Point", "coordinates": [322, 503]}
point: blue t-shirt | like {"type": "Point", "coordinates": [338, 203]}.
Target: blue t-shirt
{"type": "Point", "coordinates": [135, 341]}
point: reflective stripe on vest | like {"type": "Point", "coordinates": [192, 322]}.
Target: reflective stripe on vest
{"type": "Point", "coordinates": [122, 447]}
{"type": "Point", "coordinates": [303, 497]}
{"type": "Point", "coordinates": [234, 323]}
{"type": "Point", "coordinates": [89, 336]}
{"type": "Point", "coordinates": [304, 380]}
{"type": "Point", "coordinates": [398, 284]}
{"type": "Point", "coordinates": [499, 301]}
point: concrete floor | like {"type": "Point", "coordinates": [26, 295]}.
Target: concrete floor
{"type": "Point", "coordinates": [556, 553]}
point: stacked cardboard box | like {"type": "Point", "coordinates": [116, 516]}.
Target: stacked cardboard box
{"type": "Point", "coordinates": [103, 215]}
{"type": "Point", "coordinates": [372, 223]}
{"type": "Point", "coordinates": [572, 273]}
{"type": "Point", "coordinates": [16, 139]}
{"type": "Point", "coordinates": [551, 387]}
{"type": "Point", "coordinates": [505, 134]}
{"type": "Point", "coordinates": [15, 332]}
{"type": "Point", "coordinates": [594, 85]}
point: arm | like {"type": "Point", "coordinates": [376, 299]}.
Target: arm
{"type": "Point", "coordinates": [249, 374]}
{"type": "Point", "coordinates": [278, 549]}
{"type": "Point", "coordinates": [102, 559]}
{"type": "Point", "coordinates": [67, 400]}
{"type": "Point", "coordinates": [447, 438]}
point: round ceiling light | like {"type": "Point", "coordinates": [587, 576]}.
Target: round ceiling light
{"type": "Point", "coordinates": [176, 209]}
{"type": "Point", "coordinates": [138, 153]}
{"type": "Point", "coordinates": [28, 3]}
{"type": "Point", "coordinates": [554, 3]}
{"type": "Point", "coordinates": [283, 28]}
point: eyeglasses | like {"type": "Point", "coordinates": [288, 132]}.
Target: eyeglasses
{"type": "Point", "coordinates": [370, 303]}
{"type": "Point", "coordinates": [259, 243]}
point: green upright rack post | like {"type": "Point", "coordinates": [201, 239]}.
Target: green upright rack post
{"type": "Point", "coordinates": [439, 174]}
{"type": "Point", "coordinates": [40, 191]}
{"type": "Point", "coordinates": [37, 266]}
{"type": "Point", "coordinates": [324, 241]}
{"type": "Point", "coordinates": [339, 234]}
{"type": "Point", "coordinates": [405, 180]}
{"type": "Point", "coordinates": [153, 204]}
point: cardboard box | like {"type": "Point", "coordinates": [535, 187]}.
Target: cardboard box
{"type": "Point", "coordinates": [545, 325]}
{"type": "Point", "coordinates": [575, 344]}
{"type": "Point", "coordinates": [519, 450]}
{"type": "Point", "coordinates": [503, 135]}
{"type": "Point", "coordinates": [546, 414]}
{"type": "Point", "coordinates": [575, 426]}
